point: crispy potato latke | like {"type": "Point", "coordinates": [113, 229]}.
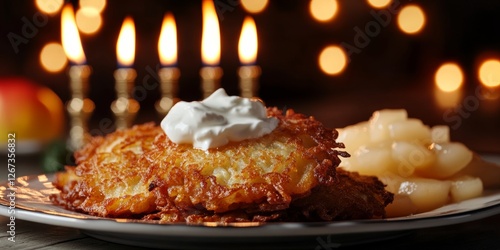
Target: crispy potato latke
{"type": "Point", "coordinates": [287, 175]}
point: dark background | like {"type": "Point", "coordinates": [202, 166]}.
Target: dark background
{"type": "Point", "coordinates": [394, 70]}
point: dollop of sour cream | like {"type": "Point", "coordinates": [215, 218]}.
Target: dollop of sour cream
{"type": "Point", "coordinates": [217, 120]}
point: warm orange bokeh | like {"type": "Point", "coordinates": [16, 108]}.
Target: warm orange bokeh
{"type": "Point", "coordinates": [411, 19]}
{"type": "Point", "coordinates": [449, 77]}
{"type": "Point", "coordinates": [332, 60]}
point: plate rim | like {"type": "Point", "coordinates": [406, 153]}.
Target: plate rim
{"type": "Point", "coordinates": [244, 229]}
{"type": "Point", "coordinates": [283, 229]}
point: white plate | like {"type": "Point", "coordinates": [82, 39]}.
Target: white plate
{"type": "Point", "coordinates": [32, 204]}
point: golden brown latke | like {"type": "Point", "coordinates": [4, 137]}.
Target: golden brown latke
{"type": "Point", "coordinates": [140, 173]}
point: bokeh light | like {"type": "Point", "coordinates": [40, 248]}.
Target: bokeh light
{"type": "Point", "coordinates": [88, 20]}
{"type": "Point", "coordinates": [254, 6]}
{"type": "Point", "coordinates": [52, 57]}
{"type": "Point", "coordinates": [98, 5]}
{"type": "Point", "coordinates": [323, 10]}
{"type": "Point", "coordinates": [332, 60]}
{"type": "Point", "coordinates": [49, 6]}
{"type": "Point", "coordinates": [379, 4]}
{"type": "Point", "coordinates": [411, 19]}
{"type": "Point", "coordinates": [489, 73]}
{"type": "Point", "coordinates": [449, 77]}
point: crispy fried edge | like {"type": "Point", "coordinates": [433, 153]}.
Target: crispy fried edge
{"type": "Point", "coordinates": [325, 145]}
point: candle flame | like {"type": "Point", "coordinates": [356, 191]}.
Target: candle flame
{"type": "Point", "coordinates": [210, 40]}
{"type": "Point", "coordinates": [248, 44]}
{"type": "Point", "coordinates": [167, 44]}
{"type": "Point", "coordinates": [70, 38]}
{"type": "Point", "coordinates": [125, 47]}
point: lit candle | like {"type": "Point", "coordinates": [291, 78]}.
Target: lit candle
{"type": "Point", "coordinates": [210, 73]}
{"type": "Point", "coordinates": [125, 107]}
{"type": "Point", "coordinates": [79, 107]}
{"type": "Point", "coordinates": [169, 74]}
{"type": "Point", "coordinates": [247, 50]}
{"type": "Point", "coordinates": [448, 80]}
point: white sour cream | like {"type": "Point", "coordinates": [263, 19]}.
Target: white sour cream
{"type": "Point", "coordinates": [217, 120]}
